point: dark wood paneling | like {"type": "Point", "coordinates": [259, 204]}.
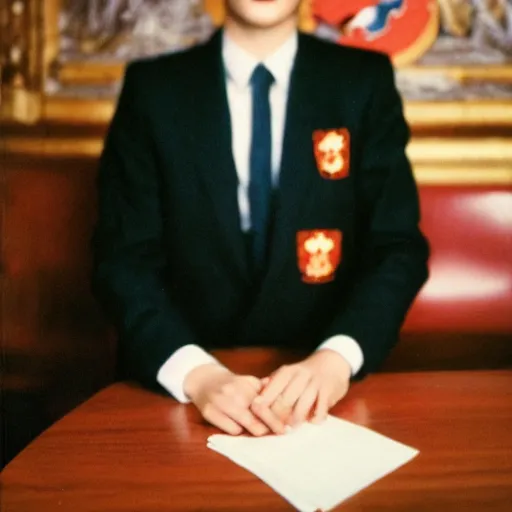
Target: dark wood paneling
{"type": "Point", "coordinates": [56, 347]}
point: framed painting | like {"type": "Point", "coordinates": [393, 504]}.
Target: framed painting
{"type": "Point", "coordinates": [453, 57]}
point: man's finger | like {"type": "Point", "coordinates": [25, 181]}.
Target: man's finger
{"type": "Point", "coordinates": [305, 403]}
{"type": "Point", "coordinates": [247, 394]}
{"type": "Point", "coordinates": [281, 410]}
{"type": "Point", "coordinates": [254, 382]}
{"type": "Point", "coordinates": [265, 414]}
{"type": "Point", "coordinates": [217, 418]}
{"type": "Point", "coordinates": [275, 386]}
{"type": "Point", "coordinates": [322, 406]}
{"type": "Point", "coordinates": [261, 404]}
{"type": "Point", "coordinates": [293, 391]}
{"type": "Point", "coordinates": [242, 416]}
{"type": "Point", "coordinates": [284, 404]}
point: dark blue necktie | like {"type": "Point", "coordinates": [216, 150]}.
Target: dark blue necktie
{"type": "Point", "coordinates": [260, 163]}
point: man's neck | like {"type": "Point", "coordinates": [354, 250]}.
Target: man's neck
{"type": "Point", "coordinates": [259, 42]}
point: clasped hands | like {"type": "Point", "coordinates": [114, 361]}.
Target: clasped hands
{"type": "Point", "coordinates": [289, 396]}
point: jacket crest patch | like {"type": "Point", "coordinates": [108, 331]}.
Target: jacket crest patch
{"type": "Point", "coordinates": [332, 153]}
{"type": "Point", "coordinates": [318, 254]}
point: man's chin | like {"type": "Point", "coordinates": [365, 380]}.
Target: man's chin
{"type": "Point", "coordinates": [265, 22]}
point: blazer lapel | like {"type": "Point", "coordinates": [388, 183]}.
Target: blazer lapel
{"type": "Point", "coordinates": [211, 134]}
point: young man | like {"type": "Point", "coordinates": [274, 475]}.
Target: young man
{"type": "Point", "coordinates": [255, 191]}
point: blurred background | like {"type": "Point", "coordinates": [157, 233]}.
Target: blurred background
{"type": "Point", "coordinates": [61, 63]}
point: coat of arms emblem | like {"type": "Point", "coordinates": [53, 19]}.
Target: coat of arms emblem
{"type": "Point", "coordinates": [332, 153]}
{"type": "Point", "coordinates": [319, 254]}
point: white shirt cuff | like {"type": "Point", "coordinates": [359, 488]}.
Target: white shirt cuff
{"type": "Point", "coordinates": [346, 347]}
{"type": "Point", "coordinates": [173, 372]}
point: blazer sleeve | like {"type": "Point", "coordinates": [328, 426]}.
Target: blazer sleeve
{"type": "Point", "coordinates": [129, 259]}
{"type": "Point", "coordinates": [391, 253]}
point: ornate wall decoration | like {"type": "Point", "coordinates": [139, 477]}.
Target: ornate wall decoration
{"type": "Point", "coordinates": [21, 65]}
{"type": "Point", "coordinates": [127, 29]}
{"type": "Point", "coordinates": [59, 50]}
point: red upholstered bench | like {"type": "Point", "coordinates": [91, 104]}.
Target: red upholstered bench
{"type": "Point", "coordinates": [56, 346]}
{"type": "Point", "coordinates": [463, 315]}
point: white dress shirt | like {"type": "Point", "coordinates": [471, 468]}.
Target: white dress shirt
{"type": "Point", "coordinates": [239, 66]}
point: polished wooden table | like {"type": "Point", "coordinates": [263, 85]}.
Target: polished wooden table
{"type": "Point", "coordinates": [128, 449]}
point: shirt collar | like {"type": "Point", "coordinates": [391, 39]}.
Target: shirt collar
{"type": "Point", "coordinates": [240, 64]}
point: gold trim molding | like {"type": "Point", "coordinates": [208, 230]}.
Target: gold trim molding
{"type": "Point", "coordinates": [474, 73]}
{"type": "Point", "coordinates": [468, 149]}
{"type": "Point", "coordinates": [459, 113]}
{"type": "Point", "coordinates": [20, 105]}
{"type": "Point", "coordinates": [91, 73]}
{"type": "Point", "coordinates": [89, 147]}
{"type": "Point", "coordinates": [494, 113]}
{"type": "Point", "coordinates": [105, 73]}
{"type": "Point", "coordinates": [424, 150]}
{"type": "Point", "coordinates": [468, 162]}
{"type": "Point", "coordinates": [463, 175]}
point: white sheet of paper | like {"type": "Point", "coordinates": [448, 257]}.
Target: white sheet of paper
{"type": "Point", "coordinates": [316, 466]}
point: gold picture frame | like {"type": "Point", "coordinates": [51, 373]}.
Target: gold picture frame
{"type": "Point", "coordinates": [29, 58]}
{"type": "Point", "coordinates": [463, 143]}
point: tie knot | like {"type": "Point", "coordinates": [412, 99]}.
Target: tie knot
{"type": "Point", "coordinates": [262, 78]}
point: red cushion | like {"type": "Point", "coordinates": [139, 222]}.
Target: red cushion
{"type": "Point", "coordinates": [470, 284]}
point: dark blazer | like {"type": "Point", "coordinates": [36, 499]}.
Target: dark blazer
{"type": "Point", "coordinates": [170, 264]}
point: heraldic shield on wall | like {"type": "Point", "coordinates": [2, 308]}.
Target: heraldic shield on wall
{"type": "Point", "coordinates": [404, 29]}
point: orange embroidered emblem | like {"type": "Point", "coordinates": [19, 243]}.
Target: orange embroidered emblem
{"type": "Point", "coordinates": [318, 254]}
{"type": "Point", "coordinates": [332, 153]}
